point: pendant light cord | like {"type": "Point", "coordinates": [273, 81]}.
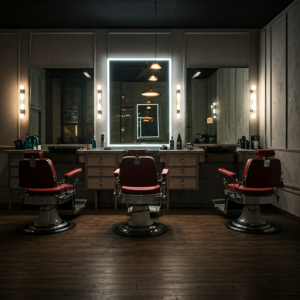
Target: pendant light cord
{"type": "Point", "coordinates": [155, 30]}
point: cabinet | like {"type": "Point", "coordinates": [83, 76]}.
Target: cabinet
{"type": "Point", "coordinates": [183, 168]}
{"type": "Point", "coordinates": [99, 169]}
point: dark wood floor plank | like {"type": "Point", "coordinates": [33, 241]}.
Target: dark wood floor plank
{"type": "Point", "coordinates": [199, 258]}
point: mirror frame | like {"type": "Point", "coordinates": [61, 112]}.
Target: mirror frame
{"type": "Point", "coordinates": [108, 101]}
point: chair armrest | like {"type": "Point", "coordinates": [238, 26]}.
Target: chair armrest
{"type": "Point", "coordinates": [164, 172]}
{"type": "Point", "coordinates": [228, 173]}
{"type": "Point", "coordinates": [71, 173]}
{"type": "Point", "coordinates": [117, 173]}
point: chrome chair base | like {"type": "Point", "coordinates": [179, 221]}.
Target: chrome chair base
{"type": "Point", "coordinates": [266, 228]}
{"type": "Point", "coordinates": [154, 229]}
{"type": "Point", "coordinates": [32, 229]}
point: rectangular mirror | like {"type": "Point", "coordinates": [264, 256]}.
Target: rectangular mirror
{"type": "Point", "coordinates": [134, 117]}
{"type": "Point", "coordinates": [217, 105]}
{"type": "Point", "coordinates": [62, 105]}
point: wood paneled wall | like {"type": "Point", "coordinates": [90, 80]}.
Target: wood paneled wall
{"type": "Point", "coordinates": [279, 93]}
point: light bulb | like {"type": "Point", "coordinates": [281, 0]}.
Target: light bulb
{"type": "Point", "coordinates": [21, 87]}
{"type": "Point", "coordinates": [253, 87]}
{"type": "Point", "coordinates": [214, 117]}
{"type": "Point", "coordinates": [214, 103]}
{"type": "Point", "coordinates": [155, 66]}
{"type": "Point", "coordinates": [253, 116]}
{"type": "Point", "coordinates": [21, 116]}
{"type": "Point", "coordinates": [212, 106]}
{"type": "Point", "coordinates": [253, 96]}
{"type": "Point", "coordinates": [99, 87]}
{"type": "Point", "coordinates": [22, 106]}
{"type": "Point", "coordinates": [178, 106]}
{"type": "Point", "coordinates": [214, 110]}
{"type": "Point", "coordinates": [178, 87]}
{"type": "Point", "coordinates": [178, 116]}
{"type": "Point", "coordinates": [22, 96]}
{"type": "Point", "coordinates": [99, 116]}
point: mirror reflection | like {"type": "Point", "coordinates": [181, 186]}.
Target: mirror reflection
{"type": "Point", "coordinates": [217, 105]}
{"type": "Point", "coordinates": [138, 102]}
{"type": "Point", "coordinates": [62, 105]}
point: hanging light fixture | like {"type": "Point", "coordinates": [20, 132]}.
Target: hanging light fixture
{"type": "Point", "coordinates": [155, 65]}
{"type": "Point", "coordinates": [150, 93]}
{"type": "Point", "coordinates": [152, 78]}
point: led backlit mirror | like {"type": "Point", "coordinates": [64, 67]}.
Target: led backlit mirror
{"type": "Point", "coordinates": [139, 105]}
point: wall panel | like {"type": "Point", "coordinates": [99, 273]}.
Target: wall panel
{"type": "Point", "coordinates": [9, 104]}
{"type": "Point", "coordinates": [138, 45]}
{"type": "Point", "coordinates": [278, 83]}
{"type": "Point", "coordinates": [62, 50]}
{"type": "Point", "coordinates": [222, 49]}
{"type": "Point", "coordinates": [293, 73]}
{"type": "Point", "coordinates": [262, 89]}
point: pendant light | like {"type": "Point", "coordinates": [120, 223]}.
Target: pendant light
{"type": "Point", "coordinates": [155, 66]}
{"type": "Point", "coordinates": [150, 93]}
{"type": "Point", "coordinates": [152, 78]}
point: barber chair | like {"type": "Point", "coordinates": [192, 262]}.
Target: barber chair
{"type": "Point", "coordinates": [261, 177]}
{"type": "Point", "coordinates": [38, 177]}
{"type": "Point", "coordinates": [136, 184]}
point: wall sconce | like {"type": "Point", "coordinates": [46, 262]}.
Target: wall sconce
{"type": "Point", "coordinates": [178, 101]}
{"type": "Point", "coordinates": [214, 110]}
{"type": "Point", "coordinates": [253, 101]}
{"type": "Point", "coordinates": [22, 101]}
{"type": "Point", "coordinates": [99, 101]}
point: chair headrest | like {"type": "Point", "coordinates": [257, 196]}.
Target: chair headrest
{"type": "Point", "coordinates": [35, 154]}
{"type": "Point", "coordinates": [264, 153]}
{"type": "Point", "coordinates": [139, 152]}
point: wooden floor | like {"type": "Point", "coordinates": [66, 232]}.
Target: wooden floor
{"type": "Point", "coordinates": [197, 259]}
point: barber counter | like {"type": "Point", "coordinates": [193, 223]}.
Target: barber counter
{"type": "Point", "coordinates": [193, 178]}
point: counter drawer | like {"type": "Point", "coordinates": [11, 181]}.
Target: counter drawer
{"type": "Point", "coordinates": [101, 183]}
{"type": "Point", "coordinates": [14, 161]}
{"type": "Point", "coordinates": [101, 161]}
{"type": "Point", "coordinates": [99, 172]}
{"type": "Point", "coordinates": [182, 161]}
{"type": "Point", "coordinates": [14, 183]}
{"type": "Point", "coordinates": [183, 183]}
{"type": "Point", "coordinates": [179, 172]}
{"type": "Point", "coordinates": [14, 172]}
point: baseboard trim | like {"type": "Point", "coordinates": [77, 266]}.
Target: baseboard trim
{"type": "Point", "coordinates": [286, 214]}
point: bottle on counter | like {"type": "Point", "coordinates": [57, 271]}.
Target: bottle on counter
{"type": "Point", "coordinates": [179, 144]}
{"type": "Point", "coordinates": [102, 141]}
{"type": "Point", "coordinates": [93, 142]}
{"type": "Point", "coordinates": [171, 143]}
{"type": "Point", "coordinates": [29, 146]}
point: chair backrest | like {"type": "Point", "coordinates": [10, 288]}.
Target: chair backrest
{"type": "Point", "coordinates": [36, 172]}
{"type": "Point", "coordinates": [142, 174]}
{"type": "Point", "coordinates": [139, 152]}
{"type": "Point", "coordinates": [258, 175]}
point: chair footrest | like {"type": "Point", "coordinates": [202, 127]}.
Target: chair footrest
{"type": "Point", "coordinates": [152, 209]}
{"type": "Point", "coordinates": [227, 207]}
{"type": "Point", "coordinates": [79, 205]}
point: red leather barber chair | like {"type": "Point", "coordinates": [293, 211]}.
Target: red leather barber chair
{"type": "Point", "coordinates": [38, 177]}
{"type": "Point", "coordinates": [136, 184]}
{"type": "Point", "coordinates": [261, 177]}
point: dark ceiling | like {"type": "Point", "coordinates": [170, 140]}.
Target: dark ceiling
{"type": "Point", "coordinates": [130, 14]}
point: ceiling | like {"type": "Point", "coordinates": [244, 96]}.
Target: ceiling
{"type": "Point", "coordinates": [139, 14]}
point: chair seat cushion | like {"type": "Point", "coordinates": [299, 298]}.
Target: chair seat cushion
{"type": "Point", "coordinates": [250, 191]}
{"type": "Point", "coordinates": [140, 190]}
{"type": "Point", "coordinates": [49, 191]}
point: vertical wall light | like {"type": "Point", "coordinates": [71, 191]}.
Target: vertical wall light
{"type": "Point", "coordinates": [99, 101]}
{"type": "Point", "coordinates": [214, 110]}
{"type": "Point", "coordinates": [253, 101]}
{"type": "Point", "coordinates": [22, 101]}
{"type": "Point", "coordinates": [178, 100]}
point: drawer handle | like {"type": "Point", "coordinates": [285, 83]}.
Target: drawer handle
{"type": "Point", "coordinates": [182, 171]}
{"type": "Point", "coordinates": [101, 161]}
{"type": "Point", "coordinates": [101, 171]}
{"type": "Point", "coordinates": [182, 182]}
{"type": "Point", "coordinates": [182, 161]}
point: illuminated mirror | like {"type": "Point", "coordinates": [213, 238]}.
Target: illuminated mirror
{"type": "Point", "coordinates": [139, 106]}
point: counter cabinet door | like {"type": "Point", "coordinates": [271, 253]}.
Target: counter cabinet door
{"type": "Point", "coordinates": [101, 183]}
{"type": "Point", "coordinates": [183, 183]}
{"type": "Point", "coordinates": [184, 171]}
{"type": "Point", "coordinates": [182, 160]}
{"type": "Point", "coordinates": [100, 172]}
{"type": "Point", "coordinates": [101, 161]}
